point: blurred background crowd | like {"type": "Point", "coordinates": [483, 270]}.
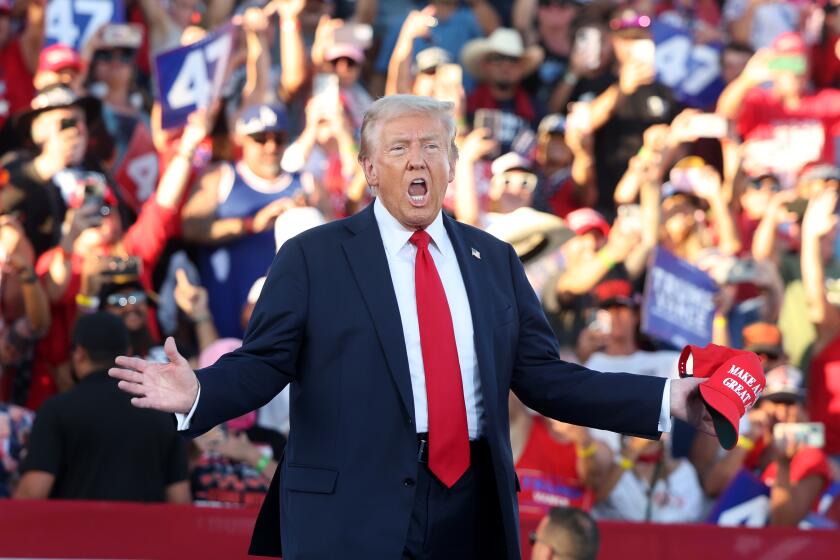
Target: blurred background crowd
{"type": "Point", "coordinates": [593, 136]}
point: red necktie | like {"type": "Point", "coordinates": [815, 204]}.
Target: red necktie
{"type": "Point", "coordinates": [449, 441]}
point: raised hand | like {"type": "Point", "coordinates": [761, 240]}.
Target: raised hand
{"type": "Point", "coordinates": [171, 387]}
{"type": "Point", "coordinates": [820, 217]}
{"type": "Point", "coordinates": [191, 299]}
{"type": "Point", "coordinates": [477, 144]}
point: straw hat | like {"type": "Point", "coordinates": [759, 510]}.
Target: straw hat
{"type": "Point", "coordinates": [504, 41]}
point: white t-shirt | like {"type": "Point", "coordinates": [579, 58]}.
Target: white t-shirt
{"type": "Point", "coordinates": [679, 499]}
{"type": "Point", "coordinates": [662, 363]}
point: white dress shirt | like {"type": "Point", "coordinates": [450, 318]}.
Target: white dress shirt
{"type": "Point", "coordinates": [400, 254]}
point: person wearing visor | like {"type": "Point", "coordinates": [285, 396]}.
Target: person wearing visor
{"type": "Point", "coordinates": [94, 242]}
{"type": "Point", "coordinates": [232, 209]}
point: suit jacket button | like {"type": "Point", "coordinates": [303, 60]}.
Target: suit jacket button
{"type": "Point", "coordinates": [408, 482]}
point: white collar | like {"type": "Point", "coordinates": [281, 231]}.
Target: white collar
{"type": "Point", "coordinates": [395, 235]}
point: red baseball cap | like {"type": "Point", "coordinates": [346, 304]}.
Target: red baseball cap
{"type": "Point", "coordinates": [58, 57]}
{"type": "Point", "coordinates": [730, 392]}
{"type": "Point", "coordinates": [702, 362]}
{"type": "Point", "coordinates": [584, 220]}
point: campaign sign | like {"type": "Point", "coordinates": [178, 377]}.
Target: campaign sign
{"type": "Point", "coordinates": [192, 77]}
{"type": "Point", "coordinates": [679, 301]}
{"type": "Point", "coordinates": [744, 503]}
{"type": "Point", "coordinates": [137, 174]}
{"type": "Point", "coordinates": [73, 22]}
{"type": "Point", "coordinates": [691, 70]}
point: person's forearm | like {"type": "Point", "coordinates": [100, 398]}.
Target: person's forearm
{"type": "Point", "coordinates": [741, 28]}
{"type": "Point", "coordinates": [291, 56]}
{"type": "Point", "coordinates": [650, 211]}
{"type": "Point", "coordinates": [728, 241]}
{"type": "Point", "coordinates": [218, 12]}
{"type": "Point", "coordinates": [35, 303]}
{"type": "Point", "coordinates": [257, 69]}
{"type": "Point", "coordinates": [59, 271]}
{"type": "Point", "coordinates": [154, 14]}
{"type": "Point", "coordinates": [205, 331]}
{"type": "Point", "coordinates": [609, 482]}
{"type": "Point", "coordinates": [813, 278]}
{"type": "Point", "coordinates": [602, 107]}
{"type": "Point", "coordinates": [210, 230]}
{"type": "Point", "coordinates": [488, 19]}
{"type": "Point", "coordinates": [560, 96]}
{"type": "Point", "coordinates": [466, 197]}
{"type": "Point", "coordinates": [399, 79]}
{"type": "Point", "coordinates": [718, 477]}
{"type": "Point", "coordinates": [627, 188]}
{"type": "Point", "coordinates": [782, 506]}
{"type": "Point", "coordinates": [730, 100]}
{"type": "Point", "coordinates": [174, 181]}
{"type": "Point", "coordinates": [32, 38]}
{"type": "Point", "coordinates": [764, 239]}
{"type": "Point", "coordinates": [585, 276]}
{"type": "Point", "coordinates": [583, 175]}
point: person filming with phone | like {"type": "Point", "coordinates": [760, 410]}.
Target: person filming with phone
{"type": "Point", "coordinates": [94, 234]}
{"type": "Point", "coordinates": [782, 447]}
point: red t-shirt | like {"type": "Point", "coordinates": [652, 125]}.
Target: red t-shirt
{"type": "Point", "coordinates": [807, 461]}
{"type": "Point", "coordinates": [16, 89]}
{"type": "Point", "coordinates": [547, 472]}
{"type": "Point", "coordinates": [825, 66]}
{"type": "Point", "coordinates": [783, 139]}
{"type": "Point", "coordinates": [824, 393]}
{"type": "Point", "coordinates": [146, 239]}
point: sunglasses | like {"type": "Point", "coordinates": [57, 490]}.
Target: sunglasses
{"type": "Point", "coordinates": [121, 55]}
{"type": "Point", "coordinates": [496, 57]}
{"type": "Point", "coordinates": [263, 137]}
{"type": "Point", "coordinates": [524, 181]}
{"type": "Point", "coordinates": [124, 300]}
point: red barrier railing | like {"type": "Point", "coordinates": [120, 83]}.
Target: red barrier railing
{"type": "Point", "coordinates": [62, 529]}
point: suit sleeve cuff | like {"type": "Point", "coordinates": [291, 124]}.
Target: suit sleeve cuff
{"type": "Point", "coordinates": [183, 420]}
{"type": "Point", "coordinates": [665, 421]}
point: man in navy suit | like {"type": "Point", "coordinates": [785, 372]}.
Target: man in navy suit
{"type": "Point", "coordinates": [401, 332]}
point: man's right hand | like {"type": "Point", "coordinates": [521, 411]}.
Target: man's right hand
{"type": "Point", "coordinates": [171, 387]}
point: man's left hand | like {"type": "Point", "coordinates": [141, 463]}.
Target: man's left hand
{"type": "Point", "coordinates": [687, 405]}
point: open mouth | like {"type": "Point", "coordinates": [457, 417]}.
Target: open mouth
{"type": "Point", "coordinates": [418, 192]}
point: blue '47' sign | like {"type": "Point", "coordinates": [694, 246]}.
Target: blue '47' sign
{"type": "Point", "coordinates": [72, 22]}
{"type": "Point", "coordinates": [691, 70]}
{"type": "Point", "coordinates": [191, 77]}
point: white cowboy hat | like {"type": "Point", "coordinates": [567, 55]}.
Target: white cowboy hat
{"type": "Point", "coordinates": [504, 41]}
{"type": "Point", "coordinates": [531, 232]}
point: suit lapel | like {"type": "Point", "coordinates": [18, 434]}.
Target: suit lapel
{"type": "Point", "coordinates": [366, 255]}
{"type": "Point", "coordinates": [472, 270]}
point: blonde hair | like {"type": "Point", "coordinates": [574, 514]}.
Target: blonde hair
{"type": "Point", "coordinates": [393, 106]}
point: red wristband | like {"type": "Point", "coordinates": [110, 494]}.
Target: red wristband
{"type": "Point", "coordinates": [248, 225]}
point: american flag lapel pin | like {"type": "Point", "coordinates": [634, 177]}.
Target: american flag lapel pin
{"type": "Point", "coordinates": [475, 253]}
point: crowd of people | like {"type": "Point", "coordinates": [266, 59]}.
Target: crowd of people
{"type": "Point", "coordinates": [592, 135]}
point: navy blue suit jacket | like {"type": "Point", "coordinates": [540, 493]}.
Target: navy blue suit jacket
{"type": "Point", "coordinates": [328, 324]}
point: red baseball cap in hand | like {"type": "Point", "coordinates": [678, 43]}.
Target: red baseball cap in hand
{"type": "Point", "coordinates": [703, 362]}
{"type": "Point", "coordinates": [731, 391]}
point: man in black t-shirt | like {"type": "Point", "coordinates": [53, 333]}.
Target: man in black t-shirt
{"type": "Point", "coordinates": [91, 443]}
{"type": "Point", "coordinates": [620, 115]}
